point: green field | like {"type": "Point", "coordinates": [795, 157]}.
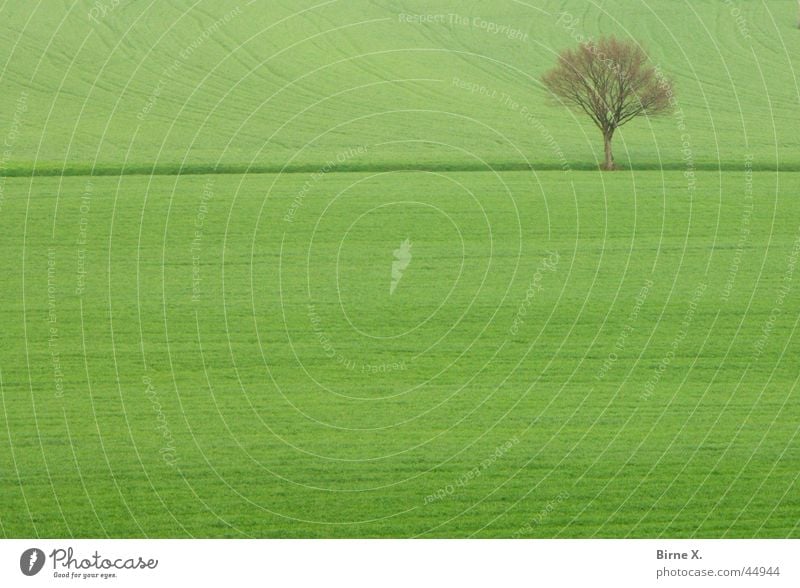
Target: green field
{"type": "Point", "coordinates": [200, 208]}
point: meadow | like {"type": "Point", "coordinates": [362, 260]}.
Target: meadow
{"type": "Point", "coordinates": [207, 331]}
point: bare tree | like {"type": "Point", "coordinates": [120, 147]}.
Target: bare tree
{"type": "Point", "coordinates": [609, 80]}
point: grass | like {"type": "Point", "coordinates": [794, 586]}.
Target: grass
{"type": "Point", "coordinates": [455, 166]}
{"type": "Point", "coordinates": [229, 407]}
{"type": "Point", "coordinates": [199, 216]}
{"type": "Point", "coordinates": [167, 84]}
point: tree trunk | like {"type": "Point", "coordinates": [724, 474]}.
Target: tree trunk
{"type": "Point", "coordinates": [609, 163]}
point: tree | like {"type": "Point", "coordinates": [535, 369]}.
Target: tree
{"type": "Point", "coordinates": [611, 81]}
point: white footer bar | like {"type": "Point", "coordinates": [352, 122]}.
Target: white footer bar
{"type": "Point", "coordinates": [400, 563]}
